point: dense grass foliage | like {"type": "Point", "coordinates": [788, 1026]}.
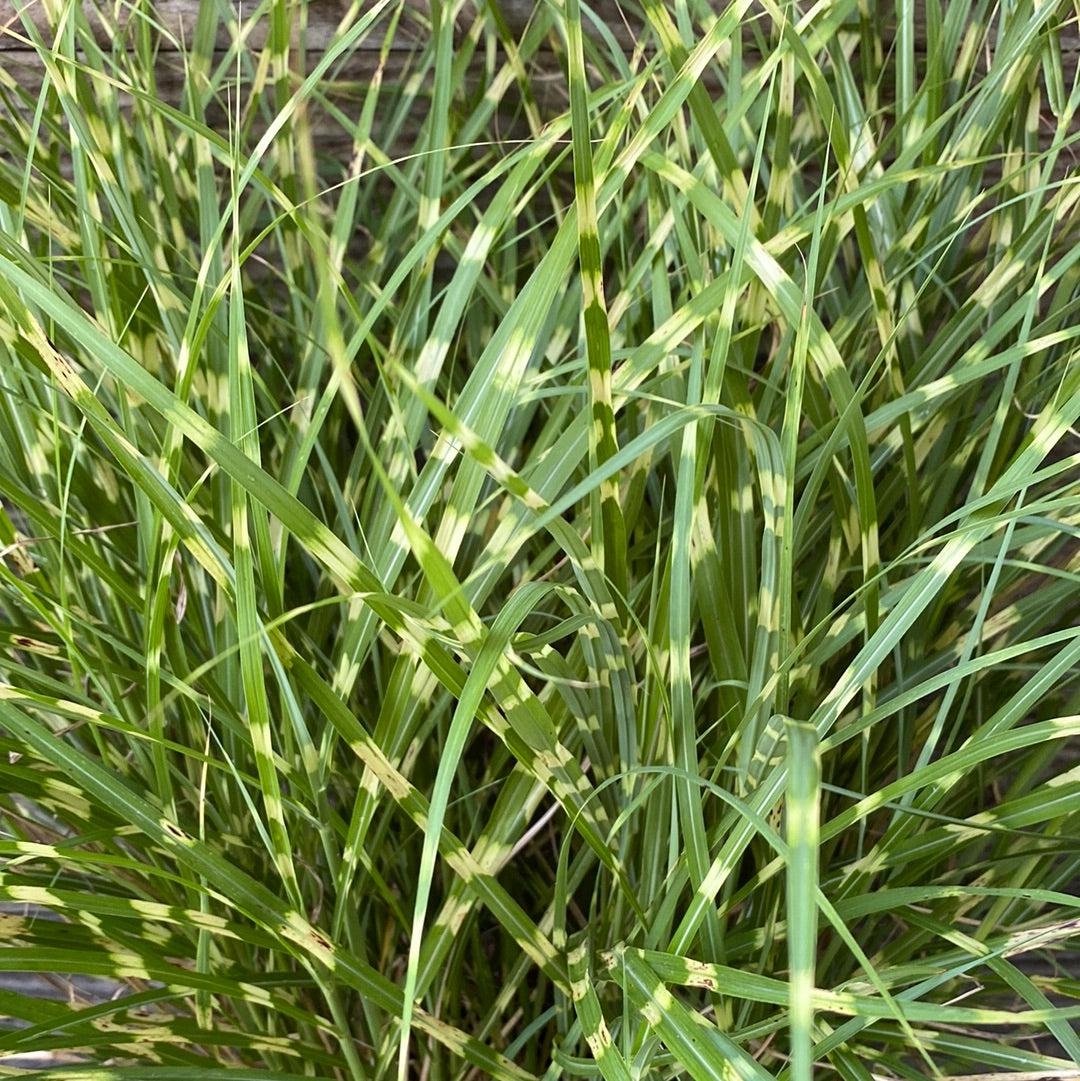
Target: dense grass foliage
{"type": "Point", "coordinates": [540, 541]}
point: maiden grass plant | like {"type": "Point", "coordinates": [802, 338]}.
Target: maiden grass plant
{"type": "Point", "coordinates": [540, 541]}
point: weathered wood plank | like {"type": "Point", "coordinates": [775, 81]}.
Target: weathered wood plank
{"type": "Point", "coordinates": [172, 24]}
{"type": "Point", "coordinates": [174, 21]}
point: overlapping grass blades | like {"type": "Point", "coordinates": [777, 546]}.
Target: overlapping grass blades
{"type": "Point", "coordinates": [539, 540]}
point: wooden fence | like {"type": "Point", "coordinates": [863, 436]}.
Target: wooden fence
{"type": "Point", "coordinates": [174, 23]}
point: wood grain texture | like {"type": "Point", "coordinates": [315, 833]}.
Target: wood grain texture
{"type": "Point", "coordinates": [317, 23]}
{"type": "Point", "coordinates": [174, 20]}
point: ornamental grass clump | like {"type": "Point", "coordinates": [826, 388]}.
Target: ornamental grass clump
{"type": "Point", "coordinates": [539, 540]}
